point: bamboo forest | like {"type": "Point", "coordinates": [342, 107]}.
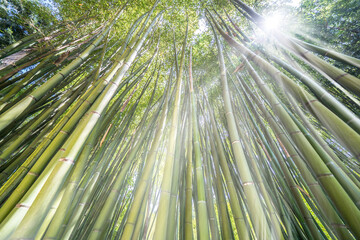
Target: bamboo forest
{"type": "Point", "coordinates": [176, 119]}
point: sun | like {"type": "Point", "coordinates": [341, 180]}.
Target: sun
{"type": "Point", "coordinates": [272, 22]}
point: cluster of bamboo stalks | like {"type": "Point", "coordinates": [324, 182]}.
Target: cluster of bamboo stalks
{"type": "Point", "coordinates": [277, 157]}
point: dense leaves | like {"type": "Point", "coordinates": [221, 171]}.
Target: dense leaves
{"type": "Point", "coordinates": [335, 22]}
{"type": "Point", "coordinates": [20, 18]}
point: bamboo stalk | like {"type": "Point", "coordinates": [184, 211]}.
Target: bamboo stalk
{"type": "Point", "coordinates": [161, 220]}
{"type": "Point", "coordinates": [256, 212]}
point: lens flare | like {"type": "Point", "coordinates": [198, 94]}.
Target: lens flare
{"type": "Point", "coordinates": [272, 22]}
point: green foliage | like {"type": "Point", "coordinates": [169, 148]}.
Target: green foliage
{"type": "Point", "coordinates": [336, 22]}
{"type": "Point", "coordinates": [19, 18]}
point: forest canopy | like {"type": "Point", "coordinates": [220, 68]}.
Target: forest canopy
{"type": "Point", "coordinates": [154, 119]}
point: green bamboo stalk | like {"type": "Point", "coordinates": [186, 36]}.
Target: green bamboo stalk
{"type": "Point", "coordinates": [54, 228]}
{"type": "Point", "coordinates": [12, 114]}
{"type": "Point", "coordinates": [322, 172]}
{"type": "Point", "coordinates": [188, 228]}
{"type": "Point", "coordinates": [340, 129]}
{"type": "Point", "coordinates": [173, 206]}
{"type": "Point", "coordinates": [29, 76]}
{"type": "Point", "coordinates": [342, 176]}
{"type": "Point", "coordinates": [275, 223]}
{"type": "Point", "coordinates": [199, 172]}
{"type": "Point", "coordinates": [95, 171]}
{"type": "Point", "coordinates": [214, 229]}
{"type": "Point", "coordinates": [102, 221]}
{"type": "Point", "coordinates": [235, 201]}
{"type": "Point", "coordinates": [22, 43]}
{"type": "Point", "coordinates": [97, 229]}
{"type": "Point", "coordinates": [39, 139]}
{"type": "Point", "coordinates": [322, 142]}
{"type": "Point", "coordinates": [225, 225]}
{"type": "Point", "coordinates": [330, 53]}
{"type": "Point", "coordinates": [289, 180]}
{"type": "Point", "coordinates": [326, 98]}
{"type": "Point", "coordinates": [345, 79]}
{"type": "Point", "coordinates": [144, 181]}
{"type": "Point", "coordinates": [161, 220]}
{"type": "Point", "coordinates": [76, 140]}
{"type": "Point", "coordinates": [45, 151]}
{"type": "Point", "coordinates": [83, 104]}
{"type": "Point", "coordinates": [253, 199]}
{"type": "Point", "coordinates": [9, 149]}
{"type": "Point", "coordinates": [313, 186]}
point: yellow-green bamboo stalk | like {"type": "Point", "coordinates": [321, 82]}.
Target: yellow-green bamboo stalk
{"type": "Point", "coordinates": [257, 213]}
{"type": "Point", "coordinates": [145, 178]}
{"type": "Point", "coordinates": [235, 201]}
{"type": "Point", "coordinates": [188, 228]}
{"type": "Point", "coordinates": [53, 229]}
{"type": "Point", "coordinates": [200, 182]}
{"type": "Point", "coordinates": [347, 80]}
{"type": "Point", "coordinates": [225, 225]}
{"type": "Point", "coordinates": [326, 98]}
{"type": "Point", "coordinates": [345, 133]}
{"type": "Point", "coordinates": [29, 227]}
{"type": "Point", "coordinates": [13, 113]}
{"type": "Point", "coordinates": [161, 220]}
{"type": "Point", "coordinates": [330, 53]}
{"type": "Point", "coordinates": [326, 178]}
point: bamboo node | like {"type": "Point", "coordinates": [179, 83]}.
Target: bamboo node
{"type": "Point", "coordinates": [311, 101]}
{"type": "Point", "coordinates": [61, 74]}
{"type": "Point", "coordinates": [350, 120]}
{"type": "Point", "coordinates": [87, 101]}
{"type": "Point", "coordinates": [81, 58]}
{"type": "Point", "coordinates": [33, 174]}
{"type": "Point", "coordinates": [236, 141]}
{"type": "Point", "coordinates": [71, 161]}
{"type": "Point", "coordinates": [295, 132]}
{"type": "Point", "coordinates": [313, 184]}
{"type": "Point", "coordinates": [339, 225]}
{"type": "Point", "coordinates": [340, 76]}
{"type": "Point", "coordinates": [247, 183]}
{"type": "Point", "coordinates": [164, 191]}
{"type": "Point", "coordinates": [19, 205]}
{"type": "Point", "coordinates": [113, 83]}
{"type": "Point", "coordinates": [324, 175]}
{"type": "Point", "coordinates": [24, 167]}
{"type": "Point", "coordinates": [31, 96]}
{"type": "Point", "coordinates": [115, 190]}
{"type": "Point", "coordinates": [304, 53]}
{"type": "Point", "coordinates": [252, 56]}
{"type": "Point", "coordinates": [95, 112]}
{"type": "Point", "coordinates": [330, 163]}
